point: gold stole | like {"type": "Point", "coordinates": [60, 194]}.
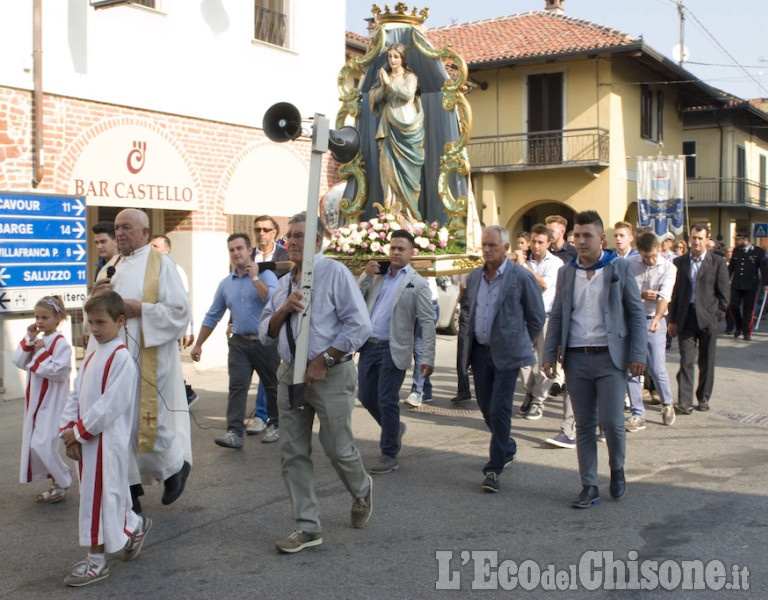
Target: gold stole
{"type": "Point", "coordinates": [149, 390]}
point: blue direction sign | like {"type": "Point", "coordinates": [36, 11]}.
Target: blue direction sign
{"type": "Point", "coordinates": [42, 275]}
{"type": "Point", "coordinates": [43, 252]}
{"type": "Point", "coordinates": [42, 242]}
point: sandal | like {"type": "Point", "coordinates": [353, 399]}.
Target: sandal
{"type": "Point", "coordinates": [52, 496]}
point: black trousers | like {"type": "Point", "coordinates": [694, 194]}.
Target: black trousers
{"type": "Point", "coordinates": [742, 308]}
{"type": "Point", "coordinates": [690, 337]}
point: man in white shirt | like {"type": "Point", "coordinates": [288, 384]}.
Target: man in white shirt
{"type": "Point", "coordinates": [598, 325]}
{"type": "Point", "coordinates": [655, 277]}
{"type": "Point", "coordinates": [544, 265]}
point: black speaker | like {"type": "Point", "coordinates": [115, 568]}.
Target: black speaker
{"type": "Point", "coordinates": [343, 143]}
{"type": "Point", "coordinates": [282, 122]}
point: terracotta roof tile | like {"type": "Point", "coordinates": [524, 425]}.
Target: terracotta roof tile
{"type": "Point", "coordinates": [526, 35]}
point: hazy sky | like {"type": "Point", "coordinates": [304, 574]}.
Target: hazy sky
{"type": "Point", "coordinates": [739, 26]}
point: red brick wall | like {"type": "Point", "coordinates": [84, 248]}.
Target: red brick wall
{"type": "Point", "coordinates": [210, 149]}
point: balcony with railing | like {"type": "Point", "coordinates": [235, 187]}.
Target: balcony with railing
{"type": "Point", "coordinates": [563, 148]}
{"type": "Point", "coordinates": [269, 26]}
{"type": "Point", "coordinates": [727, 192]}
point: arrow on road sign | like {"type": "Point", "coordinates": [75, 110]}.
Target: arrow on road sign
{"type": "Point", "coordinates": [3, 276]}
{"type": "Point", "coordinates": [79, 229]}
{"type": "Point", "coordinates": [79, 207]}
{"type": "Point", "coordinates": [4, 300]}
{"type": "Point", "coordinates": [79, 252]}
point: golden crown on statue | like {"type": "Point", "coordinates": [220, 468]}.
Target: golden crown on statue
{"type": "Point", "coordinates": [400, 14]}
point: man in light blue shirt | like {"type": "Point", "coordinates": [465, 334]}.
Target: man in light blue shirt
{"type": "Point", "coordinates": [398, 300]}
{"type": "Point", "coordinates": [338, 326]}
{"type": "Point", "coordinates": [244, 292]}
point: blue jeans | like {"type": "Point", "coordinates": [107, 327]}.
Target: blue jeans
{"type": "Point", "coordinates": [657, 368]}
{"type": "Point", "coordinates": [378, 384]}
{"type": "Point", "coordinates": [261, 403]}
{"type": "Point", "coordinates": [494, 390]}
{"type": "Point", "coordinates": [421, 385]}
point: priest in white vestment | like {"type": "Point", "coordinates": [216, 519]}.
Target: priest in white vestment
{"type": "Point", "coordinates": [153, 326]}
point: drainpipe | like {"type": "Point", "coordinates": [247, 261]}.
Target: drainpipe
{"type": "Point", "coordinates": [38, 159]}
{"type": "Point", "coordinates": [720, 176]}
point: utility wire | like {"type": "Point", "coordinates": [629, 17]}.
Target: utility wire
{"type": "Point", "coordinates": [724, 50]}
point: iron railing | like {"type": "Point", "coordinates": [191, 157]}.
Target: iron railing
{"type": "Point", "coordinates": [540, 149]}
{"type": "Point", "coordinates": [720, 191]}
{"type": "Point", "coordinates": [269, 26]}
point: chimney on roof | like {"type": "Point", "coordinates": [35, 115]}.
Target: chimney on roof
{"type": "Point", "coordinates": [555, 6]}
{"type": "Point", "coordinates": [371, 26]}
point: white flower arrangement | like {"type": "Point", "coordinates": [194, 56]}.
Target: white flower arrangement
{"type": "Point", "coordinates": [371, 238]}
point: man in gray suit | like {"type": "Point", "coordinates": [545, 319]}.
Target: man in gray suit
{"type": "Point", "coordinates": [598, 325]}
{"type": "Point", "coordinates": [397, 300]}
{"type": "Point", "coordinates": [506, 313]}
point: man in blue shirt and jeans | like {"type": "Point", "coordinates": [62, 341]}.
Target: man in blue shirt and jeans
{"type": "Point", "coordinates": [244, 292]}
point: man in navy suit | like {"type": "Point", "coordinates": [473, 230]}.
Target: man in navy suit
{"type": "Point", "coordinates": [506, 314]}
{"type": "Point", "coordinates": [699, 302]}
{"type": "Point", "coordinates": [598, 325]}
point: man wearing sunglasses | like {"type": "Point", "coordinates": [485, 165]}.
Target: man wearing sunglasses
{"type": "Point", "coordinates": [265, 231]}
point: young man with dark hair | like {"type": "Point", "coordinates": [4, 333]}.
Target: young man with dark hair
{"type": "Point", "coordinates": [397, 299]}
{"type": "Point", "coordinates": [598, 325]}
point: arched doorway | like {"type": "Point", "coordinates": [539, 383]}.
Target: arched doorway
{"type": "Point", "coordinates": [537, 212]}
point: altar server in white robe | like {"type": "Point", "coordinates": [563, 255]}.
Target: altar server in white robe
{"type": "Point", "coordinates": [96, 427]}
{"type": "Point", "coordinates": [157, 307]}
{"type": "Point", "coordinates": [48, 362]}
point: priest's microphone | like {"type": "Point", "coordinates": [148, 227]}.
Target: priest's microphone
{"type": "Point", "coordinates": [110, 271]}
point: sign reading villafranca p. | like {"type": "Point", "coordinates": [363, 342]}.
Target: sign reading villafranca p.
{"type": "Point", "coordinates": [131, 165]}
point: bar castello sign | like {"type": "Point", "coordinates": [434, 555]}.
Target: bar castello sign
{"type": "Point", "coordinates": [133, 166]}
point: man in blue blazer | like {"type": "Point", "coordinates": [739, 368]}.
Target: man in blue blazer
{"type": "Point", "coordinates": [397, 300]}
{"type": "Point", "coordinates": [506, 313]}
{"type": "Point", "coordinates": [598, 326]}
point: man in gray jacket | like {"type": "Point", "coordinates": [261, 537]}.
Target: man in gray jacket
{"type": "Point", "coordinates": [506, 313]}
{"type": "Point", "coordinates": [397, 300]}
{"type": "Point", "coordinates": [598, 325]}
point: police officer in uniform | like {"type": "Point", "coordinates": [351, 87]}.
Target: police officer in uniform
{"type": "Point", "coordinates": [748, 265]}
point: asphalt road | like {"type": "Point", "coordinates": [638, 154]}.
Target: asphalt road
{"type": "Point", "coordinates": [696, 492]}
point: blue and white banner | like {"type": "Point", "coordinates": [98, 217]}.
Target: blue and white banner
{"type": "Point", "coordinates": [660, 193]}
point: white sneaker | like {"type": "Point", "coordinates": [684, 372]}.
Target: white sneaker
{"type": "Point", "coordinates": [413, 400]}
{"type": "Point", "coordinates": [256, 427]}
{"type": "Point", "coordinates": [272, 435]}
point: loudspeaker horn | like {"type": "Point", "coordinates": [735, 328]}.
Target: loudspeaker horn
{"type": "Point", "coordinates": [343, 143]}
{"type": "Point", "coordinates": [282, 122]}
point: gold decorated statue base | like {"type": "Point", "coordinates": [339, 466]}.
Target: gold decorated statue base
{"type": "Point", "coordinates": [427, 265]}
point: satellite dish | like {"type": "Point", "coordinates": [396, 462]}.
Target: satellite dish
{"type": "Point", "coordinates": [681, 53]}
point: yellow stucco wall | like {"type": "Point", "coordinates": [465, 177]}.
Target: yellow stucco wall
{"type": "Point", "coordinates": [598, 92]}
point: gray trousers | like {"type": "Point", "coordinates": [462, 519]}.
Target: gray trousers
{"type": "Point", "coordinates": [597, 390]}
{"type": "Point", "coordinates": [534, 381]}
{"type": "Point", "coordinates": [332, 401]}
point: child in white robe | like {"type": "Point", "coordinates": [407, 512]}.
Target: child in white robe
{"type": "Point", "coordinates": [47, 360]}
{"type": "Point", "coordinates": [96, 428]}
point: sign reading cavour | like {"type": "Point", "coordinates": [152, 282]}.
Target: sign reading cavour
{"type": "Point", "coordinates": [133, 166]}
{"type": "Point", "coordinates": [42, 250]}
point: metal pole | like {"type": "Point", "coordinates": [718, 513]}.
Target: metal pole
{"type": "Point", "coordinates": [320, 131]}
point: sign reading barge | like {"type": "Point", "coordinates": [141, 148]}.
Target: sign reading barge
{"type": "Point", "coordinates": [42, 250]}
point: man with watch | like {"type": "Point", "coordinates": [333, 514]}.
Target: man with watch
{"type": "Point", "coordinates": [398, 300]}
{"type": "Point", "coordinates": [244, 292]}
{"type": "Point", "coordinates": [338, 327]}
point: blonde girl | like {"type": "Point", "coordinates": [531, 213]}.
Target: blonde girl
{"type": "Point", "coordinates": [46, 357]}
